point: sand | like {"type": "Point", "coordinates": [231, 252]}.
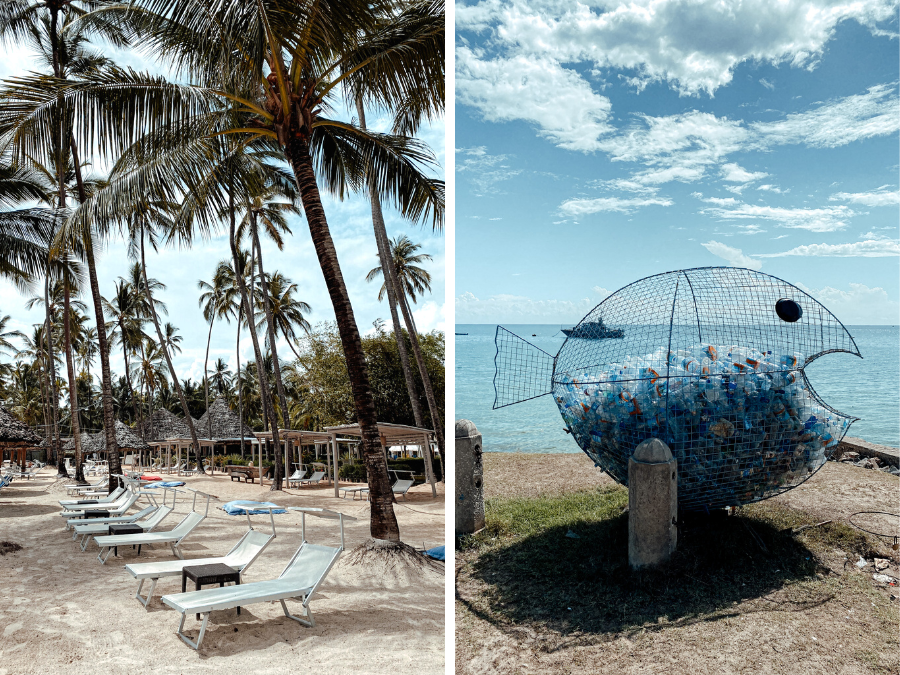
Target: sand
{"type": "Point", "coordinates": [61, 611]}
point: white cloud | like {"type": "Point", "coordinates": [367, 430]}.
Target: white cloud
{"type": "Point", "coordinates": [484, 170]}
{"type": "Point", "coordinates": [826, 219]}
{"type": "Point", "coordinates": [581, 207]}
{"type": "Point", "coordinates": [772, 188]}
{"type": "Point", "coordinates": [869, 248]}
{"type": "Point", "coordinates": [859, 304]}
{"type": "Point", "coordinates": [430, 316]}
{"type": "Point", "coordinates": [768, 85]}
{"type": "Point", "coordinates": [734, 173]}
{"type": "Point", "coordinates": [733, 256]}
{"type": "Point", "coordinates": [538, 90]}
{"type": "Point", "coordinates": [883, 196]}
{"type": "Point", "coordinates": [693, 46]}
{"type": "Point", "coordinates": [521, 309]}
{"type": "Point", "coordinates": [835, 123]}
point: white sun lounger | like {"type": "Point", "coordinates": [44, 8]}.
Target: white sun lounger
{"type": "Point", "coordinates": [75, 489]}
{"type": "Point", "coordinates": [173, 537]}
{"type": "Point", "coordinates": [297, 476]}
{"type": "Point", "coordinates": [239, 558]}
{"type": "Point", "coordinates": [147, 525]}
{"type": "Point", "coordinates": [301, 577]}
{"type": "Point", "coordinates": [401, 487]}
{"type": "Point", "coordinates": [116, 508]}
{"type": "Point", "coordinates": [111, 497]}
{"type": "Point", "coordinates": [78, 523]}
{"type": "Point", "coordinates": [315, 479]}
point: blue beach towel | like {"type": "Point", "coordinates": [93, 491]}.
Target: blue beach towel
{"type": "Point", "coordinates": [240, 508]}
{"type": "Point", "coordinates": [437, 553]}
{"type": "Point", "coordinates": [165, 483]}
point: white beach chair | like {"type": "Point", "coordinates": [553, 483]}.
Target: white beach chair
{"type": "Point", "coordinates": [147, 525]}
{"type": "Point", "coordinates": [239, 558]}
{"type": "Point", "coordinates": [296, 477]}
{"type": "Point", "coordinates": [315, 479]}
{"type": "Point", "coordinates": [299, 580]}
{"type": "Point", "coordinates": [118, 508]}
{"type": "Point", "coordinates": [401, 487]}
{"type": "Point", "coordinates": [111, 497]}
{"type": "Point", "coordinates": [173, 537]}
{"type": "Point", "coordinates": [76, 523]}
{"type": "Point", "coordinates": [75, 489]}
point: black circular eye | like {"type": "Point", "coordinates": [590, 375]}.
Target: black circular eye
{"type": "Point", "coordinates": [788, 310]}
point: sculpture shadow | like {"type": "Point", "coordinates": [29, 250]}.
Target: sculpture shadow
{"type": "Point", "coordinates": [585, 584]}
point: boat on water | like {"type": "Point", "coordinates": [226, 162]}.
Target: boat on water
{"type": "Point", "coordinates": [461, 333]}
{"type": "Point", "coordinates": [593, 330]}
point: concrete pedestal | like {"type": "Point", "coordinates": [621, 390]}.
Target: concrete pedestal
{"type": "Point", "coordinates": [469, 473]}
{"type": "Point", "coordinates": [652, 504]}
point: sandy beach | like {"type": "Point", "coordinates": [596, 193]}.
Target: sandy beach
{"type": "Point", "coordinates": [837, 621]}
{"type": "Point", "coordinates": [61, 611]}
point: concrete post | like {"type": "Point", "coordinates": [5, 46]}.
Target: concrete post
{"type": "Point", "coordinates": [652, 504]}
{"type": "Point", "coordinates": [469, 485]}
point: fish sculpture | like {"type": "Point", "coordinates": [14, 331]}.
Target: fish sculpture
{"type": "Point", "coordinates": [711, 361]}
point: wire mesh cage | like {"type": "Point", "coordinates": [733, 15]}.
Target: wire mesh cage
{"type": "Point", "coordinates": [711, 361]}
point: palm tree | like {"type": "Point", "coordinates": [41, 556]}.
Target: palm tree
{"type": "Point", "coordinates": [221, 377]}
{"type": "Point", "coordinates": [127, 327]}
{"type": "Point", "coordinates": [408, 279]}
{"type": "Point", "coordinates": [217, 301]}
{"type": "Point", "coordinates": [51, 138]}
{"type": "Point", "coordinates": [286, 310]}
{"type": "Point", "coordinates": [5, 335]}
{"type": "Point", "coordinates": [237, 53]}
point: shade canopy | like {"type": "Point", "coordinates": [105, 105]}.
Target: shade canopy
{"type": "Point", "coordinates": [165, 424]}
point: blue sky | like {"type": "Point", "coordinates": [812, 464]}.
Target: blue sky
{"type": "Point", "coordinates": [351, 227]}
{"type": "Point", "coordinates": [600, 143]}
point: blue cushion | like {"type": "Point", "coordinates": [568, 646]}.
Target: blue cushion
{"type": "Point", "coordinates": [240, 508]}
{"type": "Point", "coordinates": [437, 553]}
{"type": "Point", "coordinates": [165, 483]}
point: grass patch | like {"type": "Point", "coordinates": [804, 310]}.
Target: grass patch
{"type": "Point", "coordinates": [534, 574]}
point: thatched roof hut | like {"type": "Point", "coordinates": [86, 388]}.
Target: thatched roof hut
{"type": "Point", "coordinates": [125, 438]}
{"type": "Point", "coordinates": [226, 424]}
{"type": "Point", "coordinates": [164, 424]}
{"type": "Point", "coordinates": [14, 433]}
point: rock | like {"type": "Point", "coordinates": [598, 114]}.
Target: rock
{"type": "Point", "coordinates": [881, 564]}
{"type": "Point", "coordinates": [850, 457]}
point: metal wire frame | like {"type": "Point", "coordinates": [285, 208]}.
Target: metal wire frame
{"type": "Point", "coordinates": [730, 451]}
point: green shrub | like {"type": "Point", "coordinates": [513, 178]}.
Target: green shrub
{"type": "Point", "coordinates": [355, 473]}
{"type": "Point", "coordinates": [234, 460]}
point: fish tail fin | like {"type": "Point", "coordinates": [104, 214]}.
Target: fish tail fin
{"type": "Point", "coordinates": [523, 371]}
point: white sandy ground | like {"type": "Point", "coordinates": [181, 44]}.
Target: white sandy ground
{"type": "Point", "coordinates": [61, 611]}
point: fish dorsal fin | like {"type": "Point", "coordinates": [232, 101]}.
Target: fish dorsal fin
{"type": "Point", "coordinates": [523, 371]}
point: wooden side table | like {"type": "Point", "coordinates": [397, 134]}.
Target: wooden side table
{"type": "Point", "coordinates": [125, 528]}
{"type": "Point", "coordinates": [217, 573]}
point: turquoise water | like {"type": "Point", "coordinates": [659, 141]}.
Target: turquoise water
{"type": "Point", "coordinates": [868, 388]}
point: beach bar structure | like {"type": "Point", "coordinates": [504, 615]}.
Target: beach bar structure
{"type": "Point", "coordinates": [126, 439]}
{"type": "Point", "coordinates": [219, 426]}
{"type": "Point", "coordinates": [390, 434]}
{"type": "Point", "coordinates": [16, 437]}
{"type": "Point", "coordinates": [297, 438]}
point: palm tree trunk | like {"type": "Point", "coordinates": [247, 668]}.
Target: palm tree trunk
{"type": "Point", "coordinates": [54, 392]}
{"type": "Point", "coordinates": [109, 416]}
{"type": "Point", "coordinates": [73, 392]}
{"type": "Point", "coordinates": [165, 351]}
{"type": "Point", "coordinates": [206, 379]}
{"type": "Point", "coordinates": [271, 327]}
{"type": "Point", "coordinates": [436, 418]}
{"type": "Point", "coordinates": [383, 524]}
{"type": "Point", "coordinates": [388, 272]}
{"type": "Point", "coordinates": [240, 393]}
{"type": "Point", "coordinates": [268, 410]}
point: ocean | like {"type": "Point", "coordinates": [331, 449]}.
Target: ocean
{"type": "Point", "coordinates": [868, 388]}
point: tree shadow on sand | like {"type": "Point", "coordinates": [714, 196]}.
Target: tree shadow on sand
{"type": "Point", "coordinates": [584, 584]}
